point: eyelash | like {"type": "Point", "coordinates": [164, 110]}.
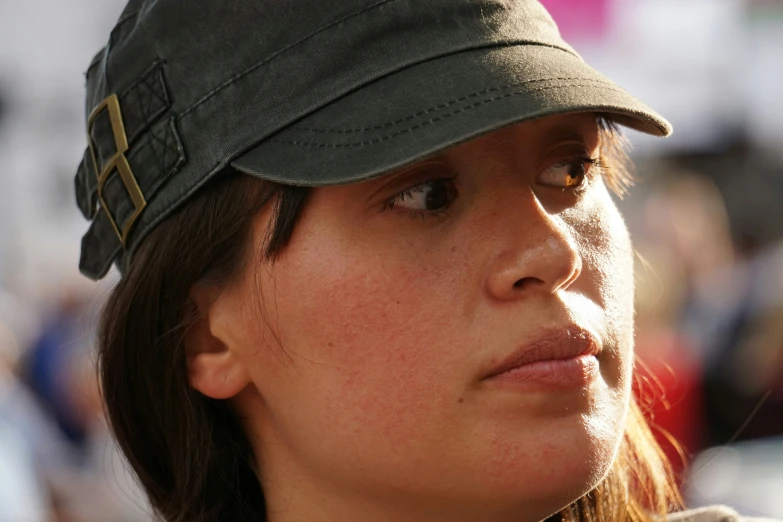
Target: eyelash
{"type": "Point", "coordinates": [390, 204]}
{"type": "Point", "coordinates": [597, 168]}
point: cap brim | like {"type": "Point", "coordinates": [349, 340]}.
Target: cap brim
{"type": "Point", "coordinates": [431, 106]}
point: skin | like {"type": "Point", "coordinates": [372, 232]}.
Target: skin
{"type": "Point", "coordinates": [356, 360]}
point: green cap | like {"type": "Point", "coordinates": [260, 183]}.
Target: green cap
{"type": "Point", "coordinates": [310, 93]}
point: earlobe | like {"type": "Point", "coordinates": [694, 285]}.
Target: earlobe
{"type": "Point", "coordinates": [217, 375]}
{"type": "Point", "coordinates": [214, 366]}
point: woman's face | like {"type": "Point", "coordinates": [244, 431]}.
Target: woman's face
{"type": "Point", "coordinates": [367, 347]}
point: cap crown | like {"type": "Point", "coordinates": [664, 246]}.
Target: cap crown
{"type": "Point", "coordinates": [199, 83]}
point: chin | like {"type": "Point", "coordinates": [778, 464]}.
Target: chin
{"type": "Point", "coordinates": [548, 470]}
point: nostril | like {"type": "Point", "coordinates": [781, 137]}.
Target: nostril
{"type": "Point", "coordinates": [526, 282]}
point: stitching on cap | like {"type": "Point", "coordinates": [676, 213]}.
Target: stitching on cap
{"type": "Point", "coordinates": [145, 91]}
{"type": "Point", "coordinates": [280, 52]}
{"type": "Point", "coordinates": [433, 120]}
{"type": "Point", "coordinates": [157, 146]}
{"type": "Point", "coordinates": [444, 105]}
{"type": "Point", "coordinates": [148, 77]}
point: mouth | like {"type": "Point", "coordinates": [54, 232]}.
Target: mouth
{"type": "Point", "coordinates": [563, 357]}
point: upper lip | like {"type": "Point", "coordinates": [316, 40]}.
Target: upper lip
{"type": "Point", "coordinates": [549, 345]}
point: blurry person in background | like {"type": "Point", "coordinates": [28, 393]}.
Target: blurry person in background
{"type": "Point", "coordinates": [687, 262]}
{"type": "Point", "coordinates": [49, 364]}
{"type": "Point", "coordinates": [98, 487]}
{"type": "Point", "coordinates": [87, 479]}
{"type": "Point", "coordinates": [687, 218]}
{"type": "Point", "coordinates": [744, 377]}
{"type": "Point", "coordinates": [28, 438]}
{"type": "Point", "coordinates": [731, 309]}
{"type": "Point", "coordinates": [709, 321]}
{"type": "Point", "coordinates": [22, 495]}
{"type": "Point", "coordinates": [668, 371]}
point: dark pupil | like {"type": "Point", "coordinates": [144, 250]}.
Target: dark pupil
{"type": "Point", "coordinates": [577, 170]}
{"type": "Point", "coordinates": [438, 195]}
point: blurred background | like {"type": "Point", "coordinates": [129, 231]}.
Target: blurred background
{"type": "Point", "coordinates": [706, 216]}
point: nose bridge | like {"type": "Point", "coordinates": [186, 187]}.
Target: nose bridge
{"type": "Point", "coordinates": [537, 253]}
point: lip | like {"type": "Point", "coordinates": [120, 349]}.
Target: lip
{"type": "Point", "coordinates": [561, 357]}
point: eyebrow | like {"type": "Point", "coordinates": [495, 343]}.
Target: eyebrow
{"type": "Point", "coordinates": [568, 133]}
{"type": "Point", "coordinates": [565, 132]}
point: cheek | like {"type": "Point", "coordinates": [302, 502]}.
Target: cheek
{"type": "Point", "coordinates": [372, 340]}
{"type": "Point", "coordinates": [607, 257]}
{"type": "Point", "coordinates": [607, 254]}
{"type": "Point", "coordinates": [607, 281]}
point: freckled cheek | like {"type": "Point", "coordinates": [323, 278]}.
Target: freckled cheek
{"type": "Point", "coordinates": [381, 338]}
{"type": "Point", "coordinates": [607, 255]}
{"type": "Point", "coordinates": [607, 279]}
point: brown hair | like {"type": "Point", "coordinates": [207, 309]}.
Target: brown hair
{"type": "Point", "coordinates": [189, 451]}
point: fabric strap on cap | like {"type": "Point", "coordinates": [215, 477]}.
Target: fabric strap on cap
{"type": "Point", "coordinates": [154, 153]}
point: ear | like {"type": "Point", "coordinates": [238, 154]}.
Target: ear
{"type": "Point", "coordinates": [215, 366]}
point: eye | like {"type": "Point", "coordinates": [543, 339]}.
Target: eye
{"type": "Point", "coordinates": [429, 197]}
{"type": "Point", "coordinates": [571, 174]}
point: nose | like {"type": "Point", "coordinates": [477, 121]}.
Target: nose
{"type": "Point", "coordinates": [539, 255]}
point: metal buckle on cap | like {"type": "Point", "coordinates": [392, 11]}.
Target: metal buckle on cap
{"type": "Point", "coordinates": [117, 161]}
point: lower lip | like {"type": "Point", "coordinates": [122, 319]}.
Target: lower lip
{"type": "Point", "coordinates": [564, 374]}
